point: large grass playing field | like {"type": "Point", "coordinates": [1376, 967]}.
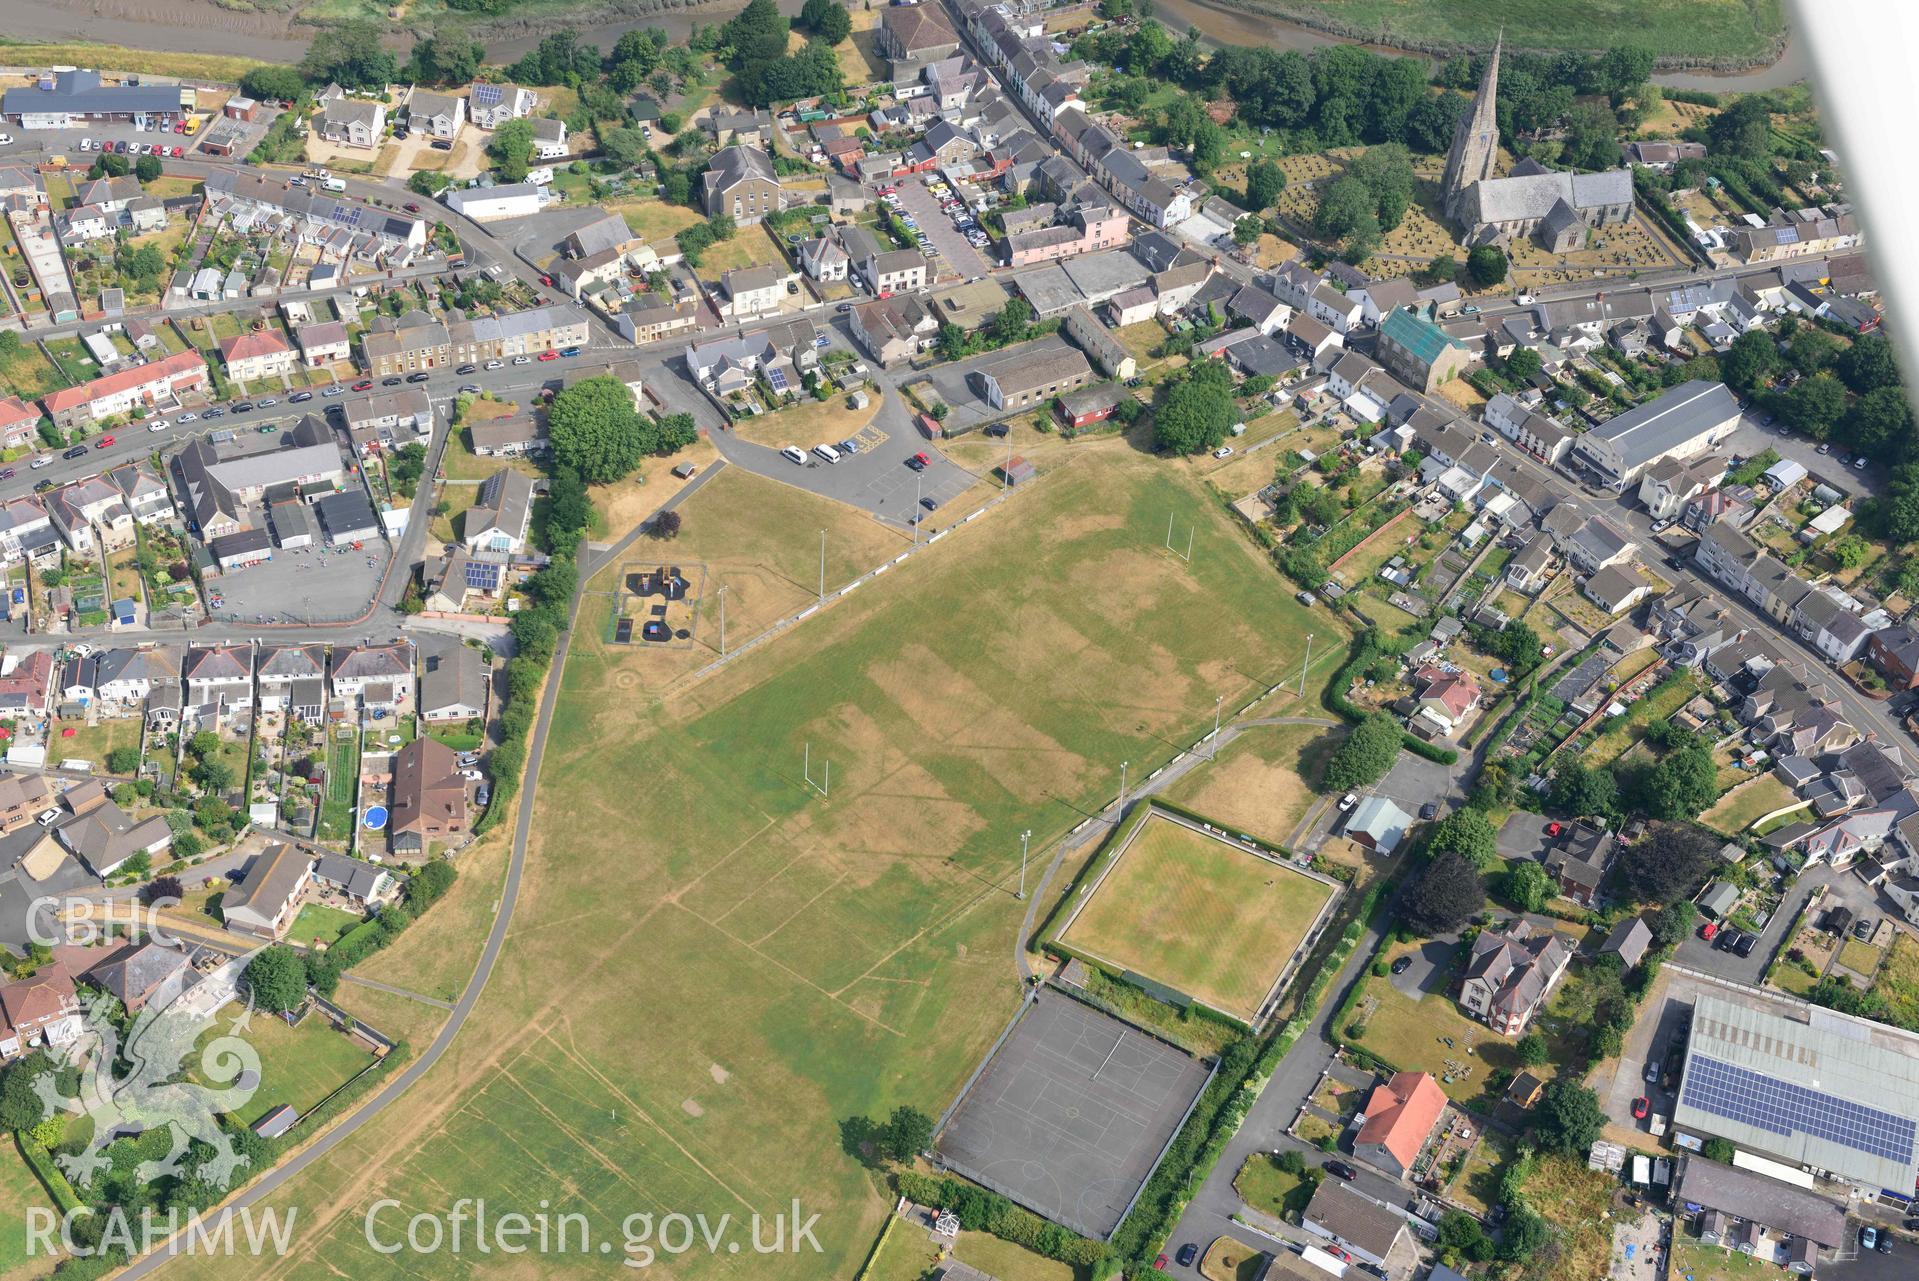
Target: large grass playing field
{"type": "Point", "coordinates": [1198, 914]}
{"type": "Point", "coordinates": [1264, 781]}
{"type": "Point", "coordinates": [711, 968]}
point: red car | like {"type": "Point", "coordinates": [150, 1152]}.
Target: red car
{"type": "Point", "coordinates": [411, 207]}
{"type": "Point", "coordinates": [105, 442]}
{"type": "Point", "coordinates": [547, 281]}
{"type": "Point", "coordinates": [179, 126]}
{"type": "Point", "coordinates": [1641, 1106]}
{"type": "Point", "coordinates": [1707, 930]}
{"type": "Point", "coordinates": [918, 462]}
{"type": "Point", "coordinates": [365, 384]}
{"type": "Point", "coordinates": [1553, 828]}
{"type": "Point", "coordinates": [177, 153]}
{"type": "Point", "coordinates": [549, 355]}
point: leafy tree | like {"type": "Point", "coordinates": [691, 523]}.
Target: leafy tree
{"type": "Point", "coordinates": [162, 888]}
{"type": "Point", "coordinates": [1526, 886]}
{"type": "Point", "coordinates": [278, 978]}
{"type": "Point", "coordinates": [352, 55]}
{"type": "Point", "coordinates": [1669, 863]}
{"type": "Point", "coordinates": [212, 774]}
{"type": "Point", "coordinates": [1531, 1048]}
{"type": "Point", "coordinates": [1264, 181]}
{"type": "Point", "coordinates": [1750, 360]}
{"type": "Point", "coordinates": [1569, 1117]}
{"type": "Point", "coordinates": [1486, 264]}
{"type": "Point", "coordinates": [909, 1131]}
{"type": "Point", "coordinates": [1813, 405]}
{"type": "Point", "coordinates": [1672, 923]}
{"type": "Point", "coordinates": [1682, 784]}
{"type": "Point", "coordinates": [1868, 364]}
{"type": "Point", "coordinates": [757, 34]}
{"type": "Point", "coordinates": [1246, 230]}
{"type": "Point", "coordinates": [667, 525]}
{"type": "Point", "coordinates": [1469, 833]}
{"type": "Point", "coordinates": [123, 760]}
{"type": "Point", "coordinates": [444, 60]}
{"type": "Point", "coordinates": [1583, 792]}
{"type": "Point", "coordinates": [1446, 895]}
{"type": "Point", "coordinates": [1879, 421]}
{"type": "Point", "coordinates": [147, 168]}
{"type": "Point", "coordinates": [827, 20]}
{"type": "Point", "coordinates": [511, 148]}
{"type": "Point", "coordinates": [1743, 129]}
{"type": "Point", "coordinates": [1524, 1234]}
{"type": "Point", "coordinates": [1811, 349]}
{"type": "Point", "coordinates": [1431, 120]}
{"type": "Point", "coordinates": [1523, 363]}
{"type": "Point", "coordinates": [1718, 1149]}
{"type": "Point", "coordinates": [595, 431]}
{"type": "Point", "coordinates": [1849, 552]}
{"type": "Point", "coordinates": [20, 1105]}
{"type": "Point", "coordinates": [274, 82]}
{"type": "Point", "coordinates": [623, 145]}
{"type": "Point", "coordinates": [1366, 754]}
{"type": "Point", "coordinates": [1193, 413]}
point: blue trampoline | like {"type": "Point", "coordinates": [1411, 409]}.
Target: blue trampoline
{"type": "Point", "coordinates": [375, 818]}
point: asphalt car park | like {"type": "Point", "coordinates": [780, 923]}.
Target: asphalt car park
{"type": "Point", "coordinates": [306, 584]}
{"type": "Point", "coordinates": [936, 228]}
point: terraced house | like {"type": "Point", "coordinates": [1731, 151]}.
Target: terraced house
{"type": "Point", "coordinates": [156, 384]}
{"type": "Point", "coordinates": [520, 333]}
{"type": "Point", "coordinates": [416, 341]}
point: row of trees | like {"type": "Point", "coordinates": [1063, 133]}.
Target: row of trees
{"type": "Point", "coordinates": [763, 69]}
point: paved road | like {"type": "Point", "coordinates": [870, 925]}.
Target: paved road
{"type": "Point", "coordinates": [274, 1179]}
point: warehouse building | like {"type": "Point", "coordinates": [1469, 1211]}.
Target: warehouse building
{"type": "Point", "coordinates": [1833, 1095]}
{"type": "Point", "coordinates": [1679, 424]}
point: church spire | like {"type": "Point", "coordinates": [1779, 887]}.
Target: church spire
{"type": "Point", "coordinates": [1476, 138]}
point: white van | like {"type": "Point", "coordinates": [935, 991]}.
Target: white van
{"type": "Point", "coordinates": [827, 452]}
{"type": "Point", "coordinates": [333, 184]}
{"type": "Point", "coordinates": [795, 453]}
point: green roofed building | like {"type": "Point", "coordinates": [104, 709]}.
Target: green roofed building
{"type": "Point", "coordinates": [1418, 352]}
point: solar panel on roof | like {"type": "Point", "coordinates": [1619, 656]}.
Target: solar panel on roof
{"type": "Point", "coordinates": [481, 576]}
{"type": "Point", "coordinates": [484, 95]}
{"type": "Point", "coordinates": [776, 379]}
{"type": "Point", "coordinates": [1782, 1108]}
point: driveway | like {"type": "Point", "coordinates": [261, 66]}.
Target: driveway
{"type": "Point", "coordinates": [1700, 955]}
{"type": "Point", "coordinates": [1414, 781]}
{"type": "Point", "coordinates": [1525, 836]}
{"type": "Point", "coordinates": [937, 229]}
{"type": "Point", "coordinates": [1431, 968]}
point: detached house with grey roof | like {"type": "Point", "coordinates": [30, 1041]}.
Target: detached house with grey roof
{"type": "Point", "coordinates": [353, 122]}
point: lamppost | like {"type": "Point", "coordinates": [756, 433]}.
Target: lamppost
{"type": "Point", "coordinates": [1214, 753]}
{"type": "Point", "coordinates": [722, 620]}
{"type": "Point", "coordinates": [1024, 837]}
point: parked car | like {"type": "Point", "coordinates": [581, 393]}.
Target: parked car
{"type": "Point", "coordinates": [244, 407]}
{"type": "Point", "coordinates": [268, 403]}
{"type": "Point", "coordinates": [78, 451]}
{"type": "Point", "coordinates": [793, 453]}
{"type": "Point", "coordinates": [300, 397]}
{"type": "Point", "coordinates": [466, 369]}
{"type": "Point", "coordinates": [419, 376]}
{"type": "Point", "coordinates": [918, 462]}
{"type": "Point", "coordinates": [393, 381]}
{"type": "Point", "coordinates": [496, 364]}
{"type": "Point", "coordinates": [549, 354]}
{"type": "Point", "coordinates": [1868, 1237]}
{"type": "Point", "coordinates": [1430, 810]}
{"type": "Point", "coordinates": [365, 384]}
{"type": "Point", "coordinates": [1745, 945]}
{"type": "Point", "coordinates": [1641, 1106]}
{"type": "Point", "coordinates": [1339, 1169]}
{"type": "Point", "coordinates": [1863, 927]}
{"type": "Point", "coordinates": [158, 424]}
{"type": "Point", "coordinates": [1187, 1253]}
{"type": "Point", "coordinates": [523, 360]}
{"type": "Point", "coordinates": [1403, 964]}
{"type": "Point", "coordinates": [105, 442]}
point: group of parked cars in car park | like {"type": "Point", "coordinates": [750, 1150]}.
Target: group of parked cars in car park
{"type": "Point", "coordinates": [107, 148]}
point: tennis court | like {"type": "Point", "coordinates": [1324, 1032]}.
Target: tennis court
{"type": "Point", "coordinates": [1071, 1114]}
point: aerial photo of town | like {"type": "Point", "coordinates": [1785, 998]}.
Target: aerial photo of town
{"type": "Point", "coordinates": [950, 640]}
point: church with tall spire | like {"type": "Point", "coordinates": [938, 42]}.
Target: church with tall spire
{"type": "Point", "coordinates": [1475, 138]}
{"type": "Point", "coordinates": [1557, 208]}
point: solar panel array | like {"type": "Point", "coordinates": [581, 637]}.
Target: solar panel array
{"type": "Point", "coordinates": [1782, 1108]}
{"type": "Point", "coordinates": [1788, 235]}
{"type": "Point", "coordinates": [776, 379]}
{"type": "Point", "coordinates": [481, 576]}
{"type": "Point", "coordinates": [484, 95]}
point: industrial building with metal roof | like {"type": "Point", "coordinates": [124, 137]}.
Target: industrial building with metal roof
{"type": "Point", "coordinates": [1826, 1091]}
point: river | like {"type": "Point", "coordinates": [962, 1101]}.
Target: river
{"type": "Point", "coordinates": [200, 26]}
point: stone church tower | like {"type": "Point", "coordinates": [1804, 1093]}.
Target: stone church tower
{"type": "Point", "coordinates": [1475, 141]}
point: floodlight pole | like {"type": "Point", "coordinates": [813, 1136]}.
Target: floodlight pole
{"type": "Point", "coordinates": [1308, 663]}
{"type": "Point", "coordinates": [1217, 700]}
{"type": "Point", "coordinates": [1024, 837]}
{"type": "Point", "coordinates": [1006, 472]}
{"type": "Point", "coordinates": [722, 620]}
{"type": "Point", "coordinates": [919, 482]}
{"type": "Point", "coordinates": [1122, 790]}
{"type": "Point", "coordinates": [822, 566]}
{"type": "Point", "coordinates": [1169, 531]}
